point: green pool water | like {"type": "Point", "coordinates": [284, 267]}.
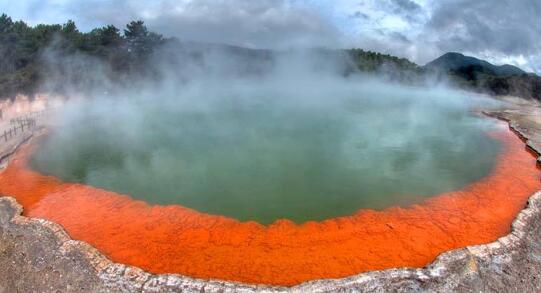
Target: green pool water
{"type": "Point", "coordinates": [281, 154]}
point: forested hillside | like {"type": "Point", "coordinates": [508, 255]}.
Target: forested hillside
{"type": "Point", "coordinates": [25, 50]}
{"type": "Point", "coordinates": [51, 57]}
{"type": "Point", "coordinates": [479, 75]}
{"type": "Point", "coordinates": [30, 55]}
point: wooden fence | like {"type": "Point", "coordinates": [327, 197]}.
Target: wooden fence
{"type": "Point", "coordinates": [28, 116]}
{"type": "Point", "coordinates": [21, 125]}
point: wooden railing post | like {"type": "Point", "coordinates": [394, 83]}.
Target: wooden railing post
{"type": "Point", "coordinates": [20, 123]}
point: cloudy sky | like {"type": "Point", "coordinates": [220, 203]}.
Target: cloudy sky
{"type": "Point", "coordinates": [501, 31]}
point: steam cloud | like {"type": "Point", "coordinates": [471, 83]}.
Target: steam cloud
{"type": "Point", "coordinates": [262, 125]}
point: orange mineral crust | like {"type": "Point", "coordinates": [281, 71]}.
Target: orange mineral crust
{"type": "Point", "coordinates": [174, 239]}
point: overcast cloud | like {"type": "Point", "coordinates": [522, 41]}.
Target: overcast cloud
{"type": "Point", "coordinates": [502, 31]}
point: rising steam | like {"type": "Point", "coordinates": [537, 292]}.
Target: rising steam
{"type": "Point", "coordinates": [273, 134]}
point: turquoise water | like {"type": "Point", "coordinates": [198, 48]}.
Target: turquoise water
{"type": "Point", "coordinates": [281, 154]}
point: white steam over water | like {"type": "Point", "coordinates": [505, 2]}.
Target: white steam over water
{"type": "Point", "coordinates": [266, 138]}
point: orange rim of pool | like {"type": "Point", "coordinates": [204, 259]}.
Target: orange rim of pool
{"type": "Point", "coordinates": [176, 239]}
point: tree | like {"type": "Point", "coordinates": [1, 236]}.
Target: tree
{"type": "Point", "coordinates": [136, 30]}
{"type": "Point", "coordinates": [109, 35]}
{"type": "Point", "coordinates": [69, 28]}
{"type": "Point", "coordinates": [102, 39]}
{"type": "Point", "coordinates": [6, 24]}
{"type": "Point", "coordinates": [140, 42]}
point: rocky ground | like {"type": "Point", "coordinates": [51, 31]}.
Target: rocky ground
{"type": "Point", "coordinates": [524, 118]}
{"type": "Point", "coordinates": [38, 256]}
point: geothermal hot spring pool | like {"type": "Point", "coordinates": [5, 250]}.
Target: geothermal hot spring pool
{"type": "Point", "coordinates": [276, 186]}
{"type": "Point", "coordinates": [270, 159]}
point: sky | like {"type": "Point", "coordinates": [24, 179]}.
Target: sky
{"type": "Point", "coordinates": [500, 31]}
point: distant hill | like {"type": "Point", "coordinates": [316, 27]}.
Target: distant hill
{"type": "Point", "coordinates": [457, 62]}
{"type": "Point", "coordinates": [481, 76]}
{"type": "Point", "coordinates": [384, 65]}
{"type": "Point", "coordinates": [452, 61]}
